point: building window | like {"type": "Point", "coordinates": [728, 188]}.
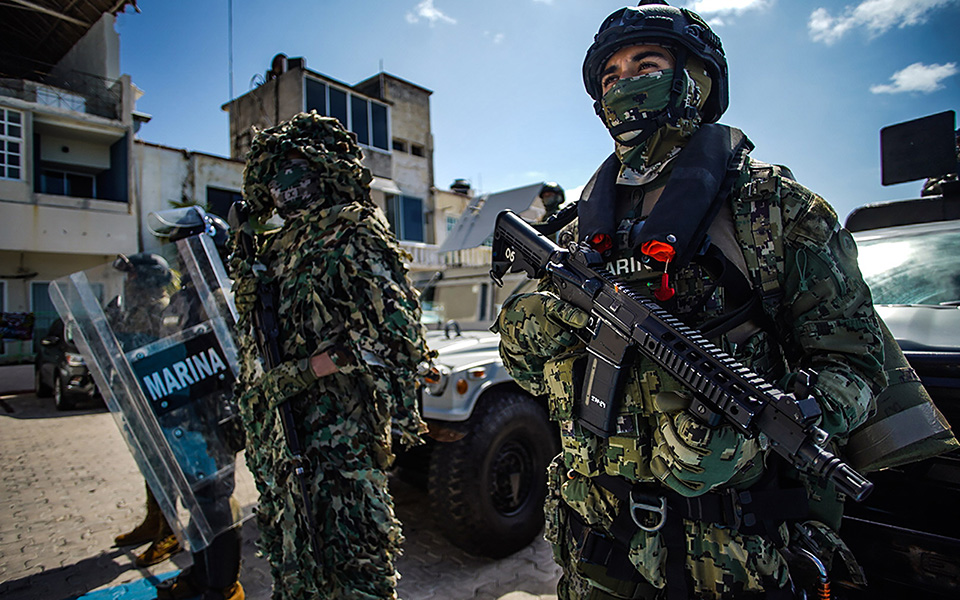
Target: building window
{"type": "Point", "coordinates": [219, 201]}
{"type": "Point", "coordinates": [338, 106]}
{"type": "Point", "coordinates": [66, 183]}
{"type": "Point", "coordinates": [416, 150]}
{"type": "Point", "coordinates": [378, 123]}
{"type": "Point", "coordinates": [399, 145]}
{"type": "Point", "coordinates": [360, 120]}
{"type": "Point", "coordinates": [451, 223]}
{"type": "Point", "coordinates": [405, 214]}
{"type": "Point", "coordinates": [11, 143]}
{"type": "Point", "coordinates": [316, 96]}
{"type": "Point", "coordinates": [368, 119]}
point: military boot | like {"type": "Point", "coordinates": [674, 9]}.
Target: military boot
{"type": "Point", "coordinates": [146, 531]}
{"type": "Point", "coordinates": [234, 592]}
{"type": "Point", "coordinates": [163, 547]}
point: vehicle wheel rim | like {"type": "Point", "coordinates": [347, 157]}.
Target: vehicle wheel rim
{"type": "Point", "coordinates": [511, 475]}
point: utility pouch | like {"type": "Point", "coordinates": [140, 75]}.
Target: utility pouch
{"type": "Point", "coordinates": [907, 426]}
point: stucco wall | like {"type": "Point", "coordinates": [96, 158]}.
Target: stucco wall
{"type": "Point", "coordinates": [410, 121]}
{"type": "Point", "coordinates": [262, 107]}
{"type": "Point", "coordinates": [97, 52]}
{"type": "Point", "coordinates": [169, 175]}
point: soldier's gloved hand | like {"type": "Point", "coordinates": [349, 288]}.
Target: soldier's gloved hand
{"type": "Point", "coordinates": [244, 287]}
{"type": "Point", "coordinates": [534, 328]}
{"type": "Point", "coordinates": [539, 323]}
{"type": "Point", "coordinates": [692, 458]}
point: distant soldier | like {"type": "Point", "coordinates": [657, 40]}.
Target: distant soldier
{"type": "Point", "coordinates": [136, 317]}
{"type": "Point", "coordinates": [350, 341]}
{"type": "Point", "coordinates": [552, 196]}
{"type": "Point", "coordinates": [215, 572]}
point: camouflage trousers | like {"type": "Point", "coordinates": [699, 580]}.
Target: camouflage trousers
{"type": "Point", "coordinates": [581, 581]}
{"type": "Point", "coordinates": [359, 535]}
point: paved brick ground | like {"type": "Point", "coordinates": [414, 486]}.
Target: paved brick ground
{"type": "Point", "coordinates": [68, 485]}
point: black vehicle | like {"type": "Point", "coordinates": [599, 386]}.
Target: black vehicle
{"type": "Point", "coordinates": [906, 535]}
{"type": "Point", "coordinates": [60, 370]}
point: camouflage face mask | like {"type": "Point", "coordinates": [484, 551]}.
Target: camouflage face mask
{"type": "Point", "coordinates": [295, 186]}
{"type": "Point", "coordinates": [630, 99]}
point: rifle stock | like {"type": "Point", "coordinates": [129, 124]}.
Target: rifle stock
{"type": "Point", "coordinates": [622, 323]}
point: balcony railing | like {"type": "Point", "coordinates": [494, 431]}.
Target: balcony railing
{"type": "Point", "coordinates": [73, 90]}
{"type": "Point", "coordinates": [427, 256]}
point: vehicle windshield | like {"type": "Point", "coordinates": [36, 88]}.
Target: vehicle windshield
{"type": "Point", "coordinates": [917, 264]}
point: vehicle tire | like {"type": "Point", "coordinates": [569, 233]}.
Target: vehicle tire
{"type": "Point", "coordinates": [42, 390]}
{"type": "Point", "coordinates": [487, 489]}
{"type": "Point", "coordinates": [60, 398]}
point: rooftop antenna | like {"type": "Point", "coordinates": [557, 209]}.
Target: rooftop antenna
{"type": "Point", "coordinates": [230, 42]}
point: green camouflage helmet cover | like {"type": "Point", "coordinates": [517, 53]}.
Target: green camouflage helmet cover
{"type": "Point", "coordinates": [323, 142]}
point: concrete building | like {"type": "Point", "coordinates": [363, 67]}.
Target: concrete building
{"type": "Point", "coordinates": [67, 122]}
{"type": "Point", "coordinates": [391, 119]}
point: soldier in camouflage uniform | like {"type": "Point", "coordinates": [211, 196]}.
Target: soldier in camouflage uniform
{"type": "Point", "coordinates": [658, 509]}
{"type": "Point", "coordinates": [351, 341]}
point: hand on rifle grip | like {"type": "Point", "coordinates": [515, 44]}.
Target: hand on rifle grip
{"type": "Point", "coordinates": [540, 323]}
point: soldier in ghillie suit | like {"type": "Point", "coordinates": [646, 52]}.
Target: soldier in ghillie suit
{"type": "Point", "coordinates": [350, 343]}
{"type": "Point", "coordinates": [666, 506]}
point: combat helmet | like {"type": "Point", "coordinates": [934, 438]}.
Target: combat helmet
{"type": "Point", "coordinates": [682, 31]}
{"type": "Point", "coordinates": [552, 190]}
{"type": "Point", "coordinates": [179, 223]}
{"type": "Point", "coordinates": [150, 270]}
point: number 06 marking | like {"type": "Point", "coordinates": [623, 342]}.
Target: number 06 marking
{"type": "Point", "coordinates": [510, 254]}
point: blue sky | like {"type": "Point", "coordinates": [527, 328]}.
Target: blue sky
{"type": "Point", "coordinates": [812, 83]}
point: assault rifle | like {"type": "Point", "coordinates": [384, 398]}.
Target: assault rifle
{"type": "Point", "coordinates": [622, 323]}
{"type": "Point", "coordinates": [267, 331]}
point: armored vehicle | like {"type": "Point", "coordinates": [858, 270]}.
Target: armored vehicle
{"type": "Point", "coordinates": [907, 534]}
{"type": "Point", "coordinates": [485, 462]}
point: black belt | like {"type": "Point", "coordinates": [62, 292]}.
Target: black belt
{"type": "Point", "coordinates": [757, 511]}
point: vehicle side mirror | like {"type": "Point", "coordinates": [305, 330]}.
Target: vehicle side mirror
{"type": "Point", "coordinates": [50, 340]}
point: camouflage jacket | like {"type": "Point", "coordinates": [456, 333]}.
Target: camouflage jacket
{"type": "Point", "coordinates": [822, 319]}
{"type": "Point", "coordinates": [353, 300]}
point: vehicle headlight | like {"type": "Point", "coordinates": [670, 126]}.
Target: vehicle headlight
{"type": "Point", "coordinates": [74, 360]}
{"type": "Point", "coordinates": [436, 379]}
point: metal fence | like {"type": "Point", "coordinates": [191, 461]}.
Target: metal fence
{"type": "Point", "coordinates": [72, 90]}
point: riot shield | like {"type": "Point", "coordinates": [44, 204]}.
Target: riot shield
{"type": "Point", "coordinates": [156, 331]}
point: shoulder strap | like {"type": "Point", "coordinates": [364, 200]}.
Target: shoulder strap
{"type": "Point", "coordinates": [758, 222]}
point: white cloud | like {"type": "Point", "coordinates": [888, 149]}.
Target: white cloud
{"type": "Point", "coordinates": [496, 38]}
{"type": "Point", "coordinates": [877, 16]}
{"type": "Point", "coordinates": [918, 77]}
{"type": "Point", "coordinates": [428, 11]}
{"type": "Point", "coordinates": [702, 7]}
{"type": "Point", "coordinates": [718, 13]}
{"type": "Point", "coordinates": [544, 1]}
